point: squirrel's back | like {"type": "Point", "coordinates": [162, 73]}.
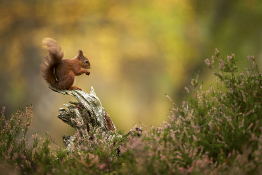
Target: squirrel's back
{"type": "Point", "coordinates": [51, 61]}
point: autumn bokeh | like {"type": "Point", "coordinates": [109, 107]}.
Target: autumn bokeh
{"type": "Point", "coordinates": [139, 51]}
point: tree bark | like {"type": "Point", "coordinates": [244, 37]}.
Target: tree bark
{"type": "Point", "coordinates": [85, 114]}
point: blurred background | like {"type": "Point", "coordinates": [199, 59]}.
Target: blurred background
{"type": "Point", "coordinates": [139, 51]}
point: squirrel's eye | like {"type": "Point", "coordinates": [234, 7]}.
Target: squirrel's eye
{"type": "Point", "coordinates": [86, 61]}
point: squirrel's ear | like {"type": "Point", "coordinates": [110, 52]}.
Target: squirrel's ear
{"type": "Point", "coordinates": [80, 53]}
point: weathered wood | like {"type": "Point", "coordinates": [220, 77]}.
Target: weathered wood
{"type": "Point", "coordinates": [85, 114]}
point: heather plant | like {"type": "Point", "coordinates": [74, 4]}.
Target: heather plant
{"type": "Point", "coordinates": [11, 129]}
{"type": "Point", "coordinates": [222, 120]}
{"type": "Point", "coordinates": [229, 119]}
{"type": "Point", "coordinates": [216, 131]}
{"type": "Point", "coordinates": [11, 147]}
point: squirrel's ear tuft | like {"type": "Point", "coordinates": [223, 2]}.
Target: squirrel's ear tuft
{"type": "Point", "coordinates": [80, 53]}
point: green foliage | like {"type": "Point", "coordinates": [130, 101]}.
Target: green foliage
{"type": "Point", "coordinates": [215, 131]}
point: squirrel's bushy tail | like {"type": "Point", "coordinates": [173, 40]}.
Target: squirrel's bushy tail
{"type": "Point", "coordinates": [51, 61]}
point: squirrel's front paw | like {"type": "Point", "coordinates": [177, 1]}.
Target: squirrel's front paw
{"type": "Point", "coordinates": [87, 73]}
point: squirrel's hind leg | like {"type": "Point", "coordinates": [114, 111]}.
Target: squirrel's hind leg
{"type": "Point", "coordinates": [66, 82]}
{"type": "Point", "coordinates": [74, 88]}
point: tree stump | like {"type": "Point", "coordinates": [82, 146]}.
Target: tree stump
{"type": "Point", "coordinates": [85, 114]}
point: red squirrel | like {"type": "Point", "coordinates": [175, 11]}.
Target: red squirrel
{"type": "Point", "coordinates": [60, 73]}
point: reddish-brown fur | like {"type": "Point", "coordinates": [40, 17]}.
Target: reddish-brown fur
{"type": "Point", "coordinates": [59, 73]}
